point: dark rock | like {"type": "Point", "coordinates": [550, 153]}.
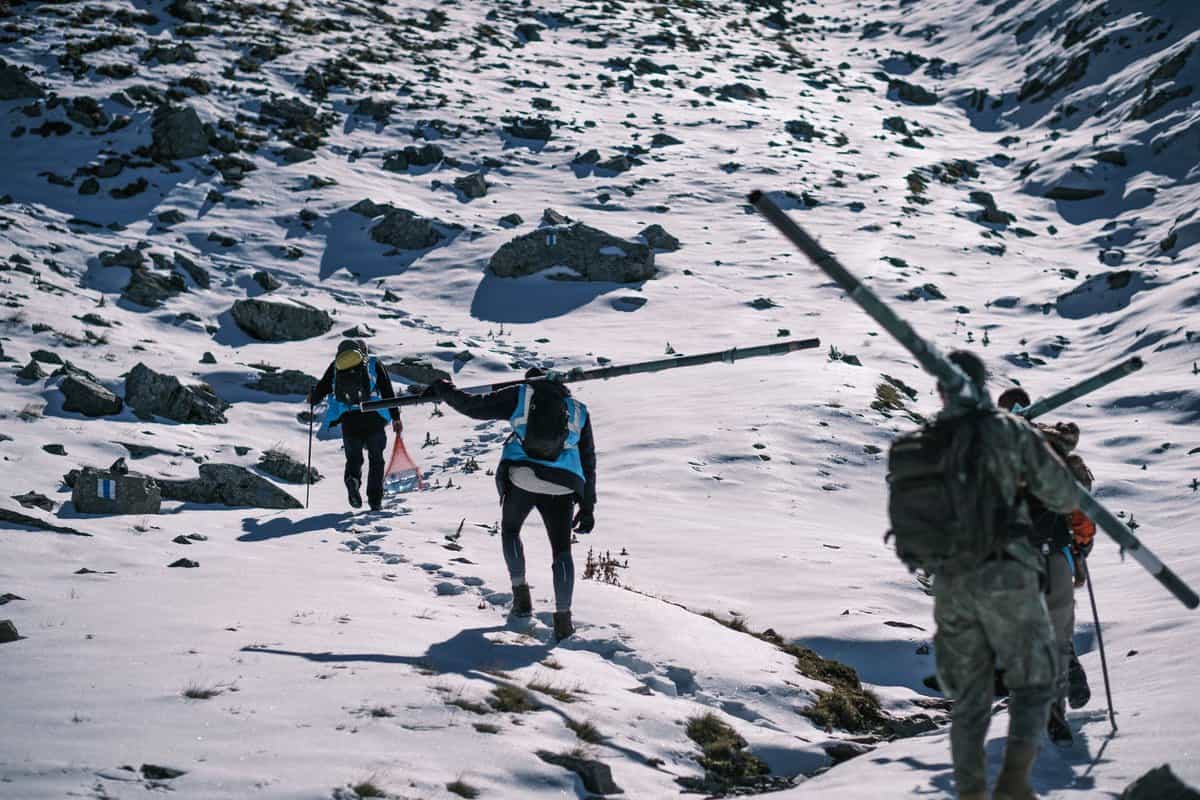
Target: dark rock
{"type": "Point", "coordinates": [181, 539]}
{"type": "Point", "coordinates": [86, 111]}
{"type": "Point", "coordinates": [472, 186]}
{"type": "Point", "coordinates": [130, 189]}
{"type": "Point", "coordinates": [208, 358]}
{"type": "Point", "coordinates": [29, 521]}
{"type": "Point", "coordinates": [88, 398]}
{"type": "Point", "coordinates": [152, 289]}
{"type": "Point", "coordinates": [130, 257]}
{"type": "Point", "coordinates": [664, 140]}
{"type": "Point", "coordinates": [47, 357]}
{"type": "Point", "coordinates": [596, 775]}
{"type": "Point", "coordinates": [106, 492]}
{"type": "Point", "coordinates": [370, 209]}
{"type": "Point", "coordinates": [427, 155]}
{"type": "Point", "coordinates": [405, 230]}
{"type": "Point", "coordinates": [89, 186]}
{"type": "Point", "coordinates": [186, 10]}
{"type": "Point", "coordinates": [34, 500]}
{"type": "Point", "coordinates": [378, 110]}
{"type": "Point", "coordinates": [841, 751]}
{"type": "Point", "coordinates": [31, 372]}
{"type": "Point", "coordinates": [804, 130]}
{"type": "Point", "coordinates": [529, 32]}
{"type": "Point", "coordinates": [197, 273]}
{"type": "Point", "coordinates": [267, 281]}
{"type": "Point", "coordinates": [911, 93]}
{"type": "Point", "coordinates": [288, 381]}
{"type": "Point", "coordinates": [617, 164]}
{"type": "Point", "coordinates": [1070, 193]}
{"type": "Point", "coordinates": [230, 485]}
{"type": "Point", "coordinates": [292, 111]}
{"type": "Point", "coordinates": [150, 393]}
{"type": "Point", "coordinates": [417, 370]}
{"type": "Point", "coordinates": [8, 597]}
{"type": "Point", "coordinates": [15, 84]}
{"type": "Point", "coordinates": [55, 449]}
{"type": "Point", "coordinates": [1159, 783]}
{"type": "Point", "coordinates": [590, 157]}
{"type": "Point", "coordinates": [171, 216]}
{"type": "Point", "coordinates": [360, 331]}
{"type": "Point", "coordinates": [552, 217]}
{"type": "Point", "coordinates": [8, 631]}
{"type": "Point", "coordinates": [511, 220]}
{"type": "Point", "coordinates": [186, 563]}
{"type": "Point", "coordinates": [297, 155]}
{"type": "Point", "coordinates": [594, 254]}
{"type": "Point", "coordinates": [69, 369]}
{"type": "Point", "coordinates": [283, 466]}
{"type": "Point", "coordinates": [280, 321]}
{"type": "Point", "coordinates": [153, 772]}
{"type": "Point", "coordinates": [537, 129]}
{"type": "Point", "coordinates": [740, 91]}
{"type": "Point", "coordinates": [658, 238]}
{"type": "Point", "coordinates": [177, 132]}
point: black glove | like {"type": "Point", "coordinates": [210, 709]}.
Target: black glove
{"type": "Point", "coordinates": [584, 520]}
{"type": "Point", "coordinates": [309, 399]}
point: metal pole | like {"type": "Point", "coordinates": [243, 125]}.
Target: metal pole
{"type": "Point", "coordinates": [616, 371]}
{"type": "Point", "coordinates": [1058, 399]}
{"type": "Point", "coordinates": [308, 472]}
{"type": "Point", "coordinates": [1112, 714]}
{"type": "Point", "coordinates": [953, 380]}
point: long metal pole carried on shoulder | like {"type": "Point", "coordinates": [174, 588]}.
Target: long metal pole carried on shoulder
{"type": "Point", "coordinates": [618, 370]}
{"type": "Point", "coordinates": [1059, 399]}
{"type": "Point", "coordinates": [945, 372]}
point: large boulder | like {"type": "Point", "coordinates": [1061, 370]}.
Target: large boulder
{"type": "Point", "coordinates": [286, 468]}
{"type": "Point", "coordinates": [594, 254]}
{"type": "Point", "coordinates": [15, 84]}
{"type": "Point", "coordinates": [152, 289]}
{"type": "Point", "coordinates": [178, 133]}
{"type": "Point", "coordinates": [105, 492]}
{"type": "Point", "coordinates": [404, 230]}
{"type": "Point", "coordinates": [1159, 783]}
{"type": "Point", "coordinates": [151, 393]}
{"type": "Point", "coordinates": [229, 485]}
{"type": "Point", "coordinates": [89, 398]}
{"type": "Point", "coordinates": [595, 775]}
{"type": "Point", "coordinates": [288, 381]}
{"type": "Point", "coordinates": [280, 321]}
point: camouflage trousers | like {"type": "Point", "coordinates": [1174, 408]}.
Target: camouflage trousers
{"type": "Point", "coordinates": [993, 617]}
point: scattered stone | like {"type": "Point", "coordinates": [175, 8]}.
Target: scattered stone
{"type": "Point", "coordinates": [911, 93]}
{"type": "Point", "coordinates": [89, 186]}
{"type": "Point", "coordinates": [1071, 193]}
{"type": "Point", "coordinates": [230, 485]}
{"type": "Point", "coordinates": [153, 772]}
{"type": "Point", "coordinates": [592, 253]}
{"type": "Point", "coordinates": [990, 212]}
{"type": "Point", "coordinates": [267, 281]}
{"type": "Point", "coordinates": [283, 466]}
{"type": "Point", "coordinates": [208, 358]}
{"type": "Point", "coordinates": [177, 132]}
{"type": "Point", "coordinates": [130, 257]}
{"type": "Point", "coordinates": [150, 393]}
{"type": "Point", "coordinates": [472, 186]}
{"type": "Point", "coordinates": [1159, 783]}
{"type": "Point", "coordinates": [284, 382]}
{"type": "Point", "coordinates": [536, 129]}
{"type": "Point", "coordinates": [740, 91]}
{"type": "Point", "coordinates": [28, 521]}
{"type": "Point", "coordinates": [130, 189]}
{"type": "Point", "coordinates": [186, 563]}
{"type": "Point", "coordinates": [197, 273]}
{"type": "Point", "coordinates": [55, 449]}
{"type": "Point", "coordinates": [15, 84]}
{"type": "Point", "coordinates": [370, 209]}
{"type": "Point", "coordinates": [296, 155]}
{"type": "Point", "coordinates": [360, 331]}
{"type": "Point", "coordinates": [152, 289]}
{"type": "Point", "coordinates": [596, 775]}
{"type": "Point", "coordinates": [552, 217]}
{"type": "Point", "coordinates": [664, 140]}
{"type": "Point", "coordinates": [427, 155]}
{"type": "Point", "coordinates": [89, 398]}
{"type": "Point", "coordinates": [107, 492]}
{"type": "Point", "coordinates": [511, 220]}
{"type": "Point", "coordinates": [31, 372]}
{"type": "Point", "coordinates": [280, 321]}
{"type": "Point", "coordinates": [34, 500]}
{"type": "Point", "coordinates": [378, 110]}
{"type": "Point", "coordinates": [171, 217]}
{"type": "Point", "coordinates": [8, 597]}
{"type": "Point", "coordinates": [405, 230]}
{"type": "Point", "coordinates": [8, 631]}
{"type": "Point", "coordinates": [658, 238]}
{"type": "Point", "coordinates": [181, 539]}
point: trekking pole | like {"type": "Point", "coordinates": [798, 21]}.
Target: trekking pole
{"type": "Point", "coordinates": [1087, 573]}
{"type": "Point", "coordinates": [956, 384]}
{"type": "Point", "coordinates": [1058, 399]}
{"type": "Point", "coordinates": [617, 370]}
{"type": "Point", "coordinates": [308, 472]}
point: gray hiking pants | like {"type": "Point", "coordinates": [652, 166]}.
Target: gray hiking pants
{"type": "Point", "coordinates": [993, 617]}
{"type": "Point", "coordinates": [1060, 602]}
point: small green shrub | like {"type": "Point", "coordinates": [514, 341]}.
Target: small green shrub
{"type": "Point", "coordinates": [511, 699]}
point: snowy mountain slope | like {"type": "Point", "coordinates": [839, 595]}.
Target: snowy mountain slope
{"type": "Point", "coordinates": [791, 541]}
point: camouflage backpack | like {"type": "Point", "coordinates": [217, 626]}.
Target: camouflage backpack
{"type": "Point", "coordinates": [945, 511]}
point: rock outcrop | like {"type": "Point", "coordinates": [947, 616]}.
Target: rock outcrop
{"type": "Point", "coordinates": [229, 485]}
{"type": "Point", "coordinates": [150, 393]}
{"type": "Point", "coordinates": [280, 321]}
{"type": "Point", "coordinates": [592, 253]}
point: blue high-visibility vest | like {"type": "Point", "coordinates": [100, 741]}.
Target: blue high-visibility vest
{"type": "Point", "coordinates": [569, 458]}
{"type": "Point", "coordinates": [336, 408]}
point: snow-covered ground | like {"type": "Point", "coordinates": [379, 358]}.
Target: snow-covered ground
{"type": "Point", "coordinates": [338, 643]}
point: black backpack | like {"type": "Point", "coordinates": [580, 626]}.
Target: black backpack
{"type": "Point", "coordinates": [945, 510]}
{"type": "Point", "coordinates": [546, 426]}
{"type": "Point", "coordinates": [352, 386]}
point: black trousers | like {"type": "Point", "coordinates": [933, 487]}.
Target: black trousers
{"type": "Point", "coordinates": [557, 512]}
{"type": "Point", "coordinates": [374, 443]}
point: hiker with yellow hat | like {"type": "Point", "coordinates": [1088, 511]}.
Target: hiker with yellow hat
{"type": "Point", "coordinates": [353, 378]}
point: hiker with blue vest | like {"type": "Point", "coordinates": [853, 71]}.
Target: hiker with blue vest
{"type": "Point", "coordinates": [548, 463]}
{"type": "Point", "coordinates": [355, 377]}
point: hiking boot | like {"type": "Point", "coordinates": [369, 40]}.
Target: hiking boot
{"type": "Point", "coordinates": [1078, 691]}
{"type": "Point", "coordinates": [352, 493]}
{"type": "Point", "coordinates": [981, 795]}
{"type": "Point", "coordinates": [376, 505]}
{"type": "Point", "coordinates": [1013, 783]}
{"type": "Point", "coordinates": [1058, 729]}
{"type": "Point", "coordinates": [562, 625]}
{"type": "Point", "coordinates": [522, 605]}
